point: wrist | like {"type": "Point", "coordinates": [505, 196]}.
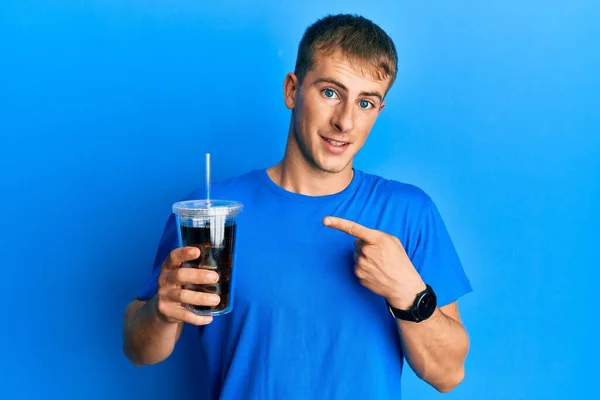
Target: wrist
{"type": "Point", "coordinates": [406, 301]}
{"type": "Point", "coordinates": [422, 307]}
{"type": "Point", "coordinates": [157, 317]}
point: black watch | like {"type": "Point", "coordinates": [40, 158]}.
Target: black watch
{"type": "Point", "coordinates": [423, 307]}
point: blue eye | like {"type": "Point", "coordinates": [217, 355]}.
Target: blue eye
{"type": "Point", "coordinates": [329, 93]}
{"type": "Point", "coordinates": [364, 104]}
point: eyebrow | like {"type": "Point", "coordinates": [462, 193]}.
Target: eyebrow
{"type": "Point", "coordinates": [343, 87]}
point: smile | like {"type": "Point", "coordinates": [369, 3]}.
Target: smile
{"type": "Point", "coordinates": [335, 146]}
{"type": "Point", "coordinates": [335, 142]}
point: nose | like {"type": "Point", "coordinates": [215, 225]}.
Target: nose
{"type": "Point", "coordinates": [343, 118]}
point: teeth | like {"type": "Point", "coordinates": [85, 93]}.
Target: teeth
{"type": "Point", "coordinates": [337, 144]}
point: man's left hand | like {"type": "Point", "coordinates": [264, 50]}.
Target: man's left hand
{"type": "Point", "coordinates": [381, 264]}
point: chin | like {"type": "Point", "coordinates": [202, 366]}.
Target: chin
{"type": "Point", "coordinates": [332, 168]}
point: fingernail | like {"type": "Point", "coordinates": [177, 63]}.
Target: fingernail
{"type": "Point", "coordinates": [213, 276]}
{"type": "Point", "coordinates": [327, 221]}
{"type": "Point", "coordinates": [215, 299]}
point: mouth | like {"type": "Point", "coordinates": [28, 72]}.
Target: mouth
{"type": "Point", "coordinates": [335, 143]}
{"type": "Point", "coordinates": [335, 146]}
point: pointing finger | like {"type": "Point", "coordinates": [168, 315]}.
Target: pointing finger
{"type": "Point", "coordinates": [352, 228]}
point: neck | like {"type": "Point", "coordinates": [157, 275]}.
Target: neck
{"type": "Point", "coordinates": [296, 174]}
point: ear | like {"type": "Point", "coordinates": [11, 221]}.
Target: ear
{"type": "Point", "coordinates": [290, 90]}
{"type": "Point", "coordinates": [381, 107]}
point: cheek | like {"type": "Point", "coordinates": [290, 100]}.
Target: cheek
{"type": "Point", "coordinates": [315, 120]}
{"type": "Point", "coordinates": [322, 115]}
{"type": "Point", "coordinates": [315, 114]}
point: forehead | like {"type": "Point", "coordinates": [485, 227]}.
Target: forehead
{"type": "Point", "coordinates": [354, 73]}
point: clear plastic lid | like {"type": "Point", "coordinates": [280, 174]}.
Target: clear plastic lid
{"type": "Point", "coordinates": [204, 208]}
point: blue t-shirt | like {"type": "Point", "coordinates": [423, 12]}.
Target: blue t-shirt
{"type": "Point", "coordinates": [302, 325]}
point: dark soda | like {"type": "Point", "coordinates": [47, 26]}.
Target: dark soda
{"type": "Point", "coordinates": [216, 253]}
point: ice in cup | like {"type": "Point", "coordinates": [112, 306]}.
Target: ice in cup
{"type": "Point", "coordinates": [211, 227]}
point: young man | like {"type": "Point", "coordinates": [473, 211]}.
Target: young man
{"type": "Point", "coordinates": [339, 274]}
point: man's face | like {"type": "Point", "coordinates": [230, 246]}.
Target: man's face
{"type": "Point", "coordinates": [334, 110]}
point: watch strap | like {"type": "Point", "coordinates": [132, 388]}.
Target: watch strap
{"type": "Point", "coordinates": [413, 314]}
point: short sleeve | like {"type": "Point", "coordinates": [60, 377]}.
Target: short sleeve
{"type": "Point", "coordinates": [435, 257]}
{"type": "Point", "coordinates": [168, 242]}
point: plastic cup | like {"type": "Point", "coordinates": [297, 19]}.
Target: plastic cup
{"type": "Point", "coordinates": [211, 227]}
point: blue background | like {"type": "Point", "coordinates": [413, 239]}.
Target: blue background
{"type": "Point", "coordinates": [107, 107]}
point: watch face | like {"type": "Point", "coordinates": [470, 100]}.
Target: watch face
{"type": "Point", "coordinates": [427, 305]}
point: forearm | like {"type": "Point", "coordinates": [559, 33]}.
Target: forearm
{"type": "Point", "coordinates": [436, 349]}
{"type": "Point", "coordinates": [147, 338]}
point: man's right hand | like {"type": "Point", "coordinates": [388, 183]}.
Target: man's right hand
{"type": "Point", "coordinates": [172, 296]}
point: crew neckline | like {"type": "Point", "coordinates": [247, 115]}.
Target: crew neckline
{"type": "Point", "coordinates": [347, 191]}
